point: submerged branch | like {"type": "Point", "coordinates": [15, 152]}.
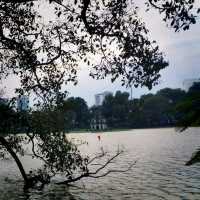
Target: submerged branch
{"type": "Point", "coordinates": [96, 174]}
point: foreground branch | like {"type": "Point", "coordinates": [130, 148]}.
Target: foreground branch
{"type": "Point", "coordinates": [96, 173]}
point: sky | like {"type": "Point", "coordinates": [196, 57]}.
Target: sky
{"type": "Point", "coordinates": [182, 51]}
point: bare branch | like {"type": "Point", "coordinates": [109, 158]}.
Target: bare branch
{"type": "Point", "coordinates": [97, 171]}
{"type": "Point", "coordinates": [106, 163]}
{"type": "Point", "coordinates": [113, 171]}
{"type": "Point", "coordinates": [102, 154]}
{"type": "Point", "coordinates": [55, 57]}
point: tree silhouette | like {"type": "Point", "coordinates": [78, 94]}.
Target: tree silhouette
{"type": "Point", "coordinates": [45, 52]}
{"type": "Point", "coordinates": [190, 109]}
{"type": "Point", "coordinates": [178, 14]}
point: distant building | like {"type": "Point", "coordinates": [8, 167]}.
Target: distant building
{"type": "Point", "coordinates": [98, 124]}
{"type": "Point", "coordinates": [99, 98]}
{"type": "Point", "coordinates": [22, 103]}
{"type": "Point", "coordinates": [188, 83]}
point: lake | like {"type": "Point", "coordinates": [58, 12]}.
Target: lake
{"type": "Point", "coordinates": [159, 173]}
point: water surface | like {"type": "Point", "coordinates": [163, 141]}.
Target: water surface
{"type": "Point", "coordinates": [159, 173]}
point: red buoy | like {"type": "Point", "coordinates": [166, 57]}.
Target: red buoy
{"type": "Point", "coordinates": [99, 137]}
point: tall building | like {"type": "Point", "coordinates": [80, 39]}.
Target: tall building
{"type": "Point", "coordinates": [99, 98]}
{"type": "Point", "coordinates": [22, 103]}
{"type": "Point", "coordinates": [187, 83]}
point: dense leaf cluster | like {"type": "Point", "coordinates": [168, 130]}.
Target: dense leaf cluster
{"type": "Point", "coordinates": [179, 14]}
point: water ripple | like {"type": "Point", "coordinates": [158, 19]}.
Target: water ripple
{"type": "Point", "coordinates": [160, 173]}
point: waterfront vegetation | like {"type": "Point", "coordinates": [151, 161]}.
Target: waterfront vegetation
{"type": "Point", "coordinates": [167, 108]}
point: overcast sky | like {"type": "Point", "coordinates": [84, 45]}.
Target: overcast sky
{"type": "Point", "coordinates": [182, 50]}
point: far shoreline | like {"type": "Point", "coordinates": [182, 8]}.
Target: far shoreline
{"type": "Point", "coordinates": [124, 130]}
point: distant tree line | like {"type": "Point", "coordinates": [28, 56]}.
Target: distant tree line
{"type": "Point", "coordinates": [150, 110]}
{"type": "Point", "coordinates": [168, 107]}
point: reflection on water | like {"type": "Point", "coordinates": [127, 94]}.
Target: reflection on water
{"type": "Point", "coordinates": [160, 172]}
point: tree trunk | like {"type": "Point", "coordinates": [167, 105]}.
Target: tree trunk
{"type": "Point", "coordinates": [15, 157]}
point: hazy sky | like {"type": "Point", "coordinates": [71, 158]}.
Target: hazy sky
{"type": "Point", "coordinates": [182, 50]}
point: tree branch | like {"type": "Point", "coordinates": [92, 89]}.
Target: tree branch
{"type": "Point", "coordinates": [103, 166]}
{"type": "Point", "coordinates": [15, 157]}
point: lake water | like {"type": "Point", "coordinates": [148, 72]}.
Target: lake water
{"type": "Point", "coordinates": [159, 173]}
